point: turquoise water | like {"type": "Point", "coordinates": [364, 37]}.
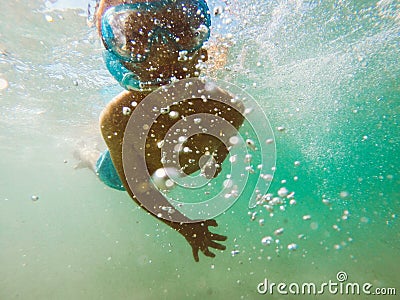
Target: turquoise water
{"type": "Point", "coordinates": [326, 74]}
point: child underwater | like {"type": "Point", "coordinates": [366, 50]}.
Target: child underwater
{"type": "Point", "coordinates": [150, 44]}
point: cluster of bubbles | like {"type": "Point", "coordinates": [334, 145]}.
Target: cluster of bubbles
{"type": "Point", "coordinates": [247, 170]}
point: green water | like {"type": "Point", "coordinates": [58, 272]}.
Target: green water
{"type": "Point", "coordinates": [326, 71]}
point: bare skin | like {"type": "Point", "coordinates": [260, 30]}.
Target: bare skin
{"type": "Point", "coordinates": [113, 122]}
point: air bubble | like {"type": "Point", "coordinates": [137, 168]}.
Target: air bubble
{"type": "Point", "coordinates": [3, 84]}
{"type": "Point", "coordinates": [267, 177]}
{"type": "Point", "coordinates": [160, 144]}
{"type": "Point", "coordinates": [182, 139]}
{"type": "Point", "coordinates": [34, 198]}
{"type": "Point", "coordinates": [228, 183]}
{"type": "Point", "coordinates": [248, 111]}
{"type": "Point", "coordinates": [49, 18]}
{"type": "Point", "coordinates": [269, 208]}
{"type": "Point", "coordinates": [326, 201]}
{"type": "Point", "coordinates": [269, 141]}
{"type": "Point", "coordinates": [281, 128]}
{"type": "Point", "coordinates": [250, 143]}
{"type": "Point", "coordinates": [173, 114]}
{"type": "Point", "coordinates": [249, 169]}
{"type": "Point", "coordinates": [234, 140]}
{"type": "Point", "coordinates": [197, 121]}
{"type": "Point", "coordinates": [247, 158]}
{"type": "Point", "coordinates": [218, 10]}
{"type": "Point", "coordinates": [266, 241]}
{"type": "Point", "coordinates": [161, 179]}
{"type": "Point", "coordinates": [177, 148]}
{"type": "Point", "coordinates": [126, 110]}
{"type": "Point", "coordinates": [187, 150]}
{"type": "Point", "coordinates": [164, 110]}
{"type": "Point", "coordinates": [283, 192]}
{"type": "Point", "coordinates": [235, 252]}
{"type": "Point", "coordinates": [292, 247]}
{"type": "Point", "coordinates": [169, 183]}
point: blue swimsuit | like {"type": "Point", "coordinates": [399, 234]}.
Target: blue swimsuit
{"type": "Point", "coordinates": [106, 171]}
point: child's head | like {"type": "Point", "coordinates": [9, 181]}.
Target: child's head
{"type": "Point", "coordinates": [153, 41]}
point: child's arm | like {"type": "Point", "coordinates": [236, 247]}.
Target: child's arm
{"type": "Point", "coordinates": [113, 122]}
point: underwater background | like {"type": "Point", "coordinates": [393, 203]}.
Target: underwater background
{"type": "Point", "coordinates": [327, 75]}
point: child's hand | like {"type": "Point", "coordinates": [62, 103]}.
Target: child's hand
{"type": "Point", "coordinates": [200, 238]}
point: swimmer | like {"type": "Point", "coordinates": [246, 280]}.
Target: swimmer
{"type": "Point", "coordinates": [150, 44]}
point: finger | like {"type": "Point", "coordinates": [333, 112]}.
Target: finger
{"type": "Point", "coordinates": [195, 252]}
{"type": "Point", "coordinates": [216, 245]}
{"type": "Point", "coordinates": [212, 223]}
{"type": "Point", "coordinates": [217, 237]}
{"type": "Point", "coordinates": [207, 252]}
